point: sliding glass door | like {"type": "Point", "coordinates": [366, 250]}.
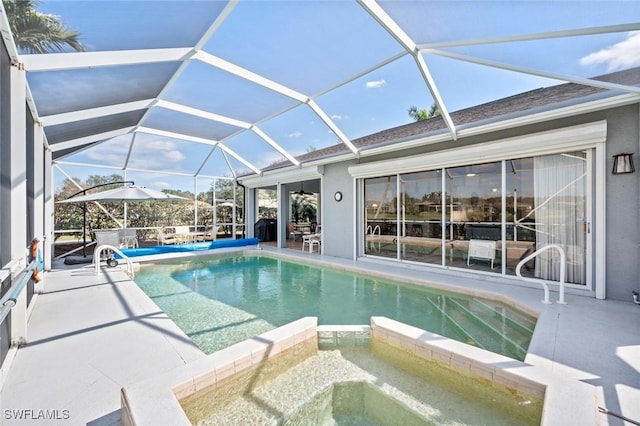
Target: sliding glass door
{"type": "Point", "coordinates": [485, 217]}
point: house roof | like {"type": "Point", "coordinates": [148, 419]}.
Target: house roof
{"type": "Point", "coordinates": [520, 104]}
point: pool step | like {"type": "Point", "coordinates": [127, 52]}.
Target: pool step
{"type": "Point", "coordinates": [523, 324]}
{"type": "Point", "coordinates": [467, 337]}
{"type": "Point", "coordinates": [485, 327]}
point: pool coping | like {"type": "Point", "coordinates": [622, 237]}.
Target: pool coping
{"type": "Point", "coordinates": [156, 400]}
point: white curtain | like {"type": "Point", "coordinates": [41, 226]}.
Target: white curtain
{"type": "Point", "coordinates": [560, 211]}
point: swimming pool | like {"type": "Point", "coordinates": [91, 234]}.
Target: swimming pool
{"type": "Point", "coordinates": [222, 300]}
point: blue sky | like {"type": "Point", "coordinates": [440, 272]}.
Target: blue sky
{"type": "Point", "coordinates": [311, 46]}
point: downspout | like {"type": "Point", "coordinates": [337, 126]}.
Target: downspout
{"type": "Point", "coordinates": [244, 208]}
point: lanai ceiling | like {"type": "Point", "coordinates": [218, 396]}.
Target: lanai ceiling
{"type": "Point", "coordinates": [213, 88]}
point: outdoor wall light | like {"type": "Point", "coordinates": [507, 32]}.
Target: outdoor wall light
{"type": "Point", "coordinates": [622, 163]}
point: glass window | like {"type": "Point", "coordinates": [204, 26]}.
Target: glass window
{"type": "Point", "coordinates": [545, 203]}
{"type": "Point", "coordinates": [559, 187]}
{"type": "Point", "coordinates": [521, 215]}
{"type": "Point", "coordinates": [381, 218]}
{"type": "Point", "coordinates": [421, 216]}
{"type": "Point", "coordinates": [473, 216]}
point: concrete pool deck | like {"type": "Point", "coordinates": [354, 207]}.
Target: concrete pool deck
{"type": "Point", "coordinates": [90, 335]}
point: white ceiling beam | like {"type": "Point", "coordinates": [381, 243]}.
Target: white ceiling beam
{"type": "Point", "coordinates": [210, 142]}
{"type": "Point", "coordinates": [329, 122]}
{"type": "Point", "coordinates": [239, 158]}
{"type": "Point", "coordinates": [230, 166]}
{"type": "Point", "coordinates": [183, 66]}
{"type": "Point", "coordinates": [204, 160]}
{"type": "Point", "coordinates": [130, 150]}
{"type": "Point", "coordinates": [217, 23]}
{"type": "Point", "coordinates": [276, 87]}
{"type": "Point", "coordinates": [202, 114]}
{"type": "Point", "coordinates": [76, 164]}
{"type": "Point", "coordinates": [403, 38]}
{"type": "Point", "coordinates": [538, 73]}
{"type": "Point", "coordinates": [435, 93]}
{"type": "Point", "coordinates": [74, 143]}
{"type": "Point", "coordinates": [609, 29]}
{"type": "Point", "coordinates": [273, 143]}
{"type": "Point", "coordinates": [361, 74]}
{"type": "Point", "coordinates": [5, 31]}
{"type": "Point", "coordinates": [76, 60]}
{"type": "Point", "coordinates": [220, 63]}
{"type": "Point", "coordinates": [388, 24]}
{"type": "Point", "coordinates": [173, 135]}
{"type": "Point", "coordinates": [86, 114]}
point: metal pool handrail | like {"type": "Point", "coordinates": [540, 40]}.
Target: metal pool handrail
{"type": "Point", "coordinates": [98, 252]}
{"type": "Point", "coordinates": [372, 231]}
{"type": "Point", "coordinates": [563, 267]}
{"type": "Point", "coordinates": [9, 300]}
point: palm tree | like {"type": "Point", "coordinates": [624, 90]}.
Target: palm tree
{"type": "Point", "coordinates": [36, 32]}
{"type": "Point", "coordinates": [304, 207]}
{"type": "Point", "coordinates": [423, 114]}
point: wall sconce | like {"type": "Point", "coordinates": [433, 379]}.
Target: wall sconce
{"type": "Point", "coordinates": [622, 163]}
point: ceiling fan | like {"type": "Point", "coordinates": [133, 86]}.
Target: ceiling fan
{"type": "Point", "coordinates": [302, 191]}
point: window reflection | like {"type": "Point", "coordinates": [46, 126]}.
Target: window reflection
{"type": "Point", "coordinates": [421, 216]}
{"type": "Point", "coordinates": [380, 196]}
{"type": "Point", "coordinates": [409, 218]}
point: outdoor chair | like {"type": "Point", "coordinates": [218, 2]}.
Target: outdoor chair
{"type": "Point", "coordinates": [481, 249]}
{"type": "Point", "coordinates": [311, 241]}
{"type": "Point", "coordinates": [128, 237]}
{"type": "Point", "coordinates": [211, 234]}
{"type": "Point", "coordinates": [165, 237]}
{"type": "Point", "coordinates": [294, 233]}
{"type": "Point", "coordinates": [107, 237]}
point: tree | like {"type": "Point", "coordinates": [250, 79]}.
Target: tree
{"type": "Point", "coordinates": [37, 32]}
{"type": "Point", "coordinates": [304, 207]}
{"type": "Point", "coordinates": [423, 114]}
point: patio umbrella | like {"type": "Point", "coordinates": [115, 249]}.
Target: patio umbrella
{"type": "Point", "coordinates": [122, 194]}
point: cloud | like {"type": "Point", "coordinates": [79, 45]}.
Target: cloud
{"type": "Point", "coordinates": [295, 134]}
{"type": "Point", "coordinates": [376, 84]}
{"type": "Point", "coordinates": [161, 184]}
{"type": "Point", "coordinates": [339, 117]}
{"type": "Point", "coordinates": [620, 55]}
{"type": "Point", "coordinates": [160, 144]}
{"type": "Point", "coordinates": [173, 156]}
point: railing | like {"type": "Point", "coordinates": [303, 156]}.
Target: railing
{"type": "Point", "coordinates": [563, 267]}
{"type": "Point", "coordinates": [98, 253]}
{"type": "Point", "coordinates": [9, 300]}
{"type": "Point", "coordinates": [372, 231]}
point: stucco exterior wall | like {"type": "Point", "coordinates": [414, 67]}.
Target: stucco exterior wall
{"type": "Point", "coordinates": [623, 202]}
{"type": "Point", "coordinates": [338, 217]}
{"type": "Point", "coordinates": [622, 195]}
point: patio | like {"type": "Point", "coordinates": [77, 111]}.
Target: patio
{"type": "Point", "coordinates": [106, 334]}
{"type": "Point", "coordinates": [437, 123]}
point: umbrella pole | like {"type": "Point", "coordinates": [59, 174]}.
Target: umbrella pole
{"type": "Point", "coordinates": [84, 229]}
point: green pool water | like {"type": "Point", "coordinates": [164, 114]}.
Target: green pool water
{"type": "Point", "coordinates": [220, 301]}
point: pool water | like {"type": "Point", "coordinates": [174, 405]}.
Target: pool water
{"type": "Point", "coordinates": [220, 301]}
{"type": "Point", "coordinates": [358, 386]}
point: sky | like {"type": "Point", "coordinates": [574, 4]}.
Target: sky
{"type": "Point", "coordinates": [311, 47]}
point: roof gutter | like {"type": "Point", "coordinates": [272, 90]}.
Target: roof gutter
{"type": "Point", "coordinates": [443, 136]}
{"type": "Point", "coordinates": [504, 124]}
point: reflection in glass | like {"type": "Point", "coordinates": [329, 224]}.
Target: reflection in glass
{"type": "Point", "coordinates": [421, 216]}
{"type": "Point", "coordinates": [560, 204]}
{"type": "Point", "coordinates": [381, 219]}
{"type": "Point", "coordinates": [473, 212]}
{"type": "Point", "coordinates": [545, 203]}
